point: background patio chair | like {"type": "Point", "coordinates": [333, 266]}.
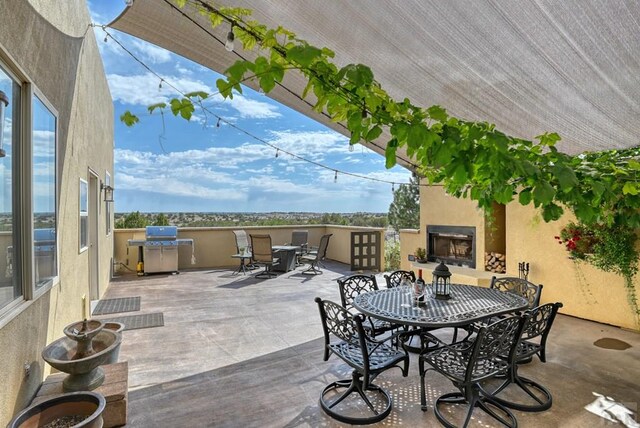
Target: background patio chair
{"type": "Point", "coordinates": [243, 242]}
{"type": "Point", "coordinates": [467, 363]}
{"type": "Point", "coordinates": [533, 342]}
{"type": "Point", "coordinates": [314, 258]}
{"type": "Point", "coordinates": [299, 238]}
{"type": "Point", "coordinates": [262, 254]}
{"type": "Point", "coordinates": [354, 285]}
{"type": "Point", "coordinates": [368, 358]}
{"type": "Point", "coordinates": [394, 279]}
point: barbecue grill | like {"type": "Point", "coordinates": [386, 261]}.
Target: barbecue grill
{"type": "Point", "coordinates": [160, 248]}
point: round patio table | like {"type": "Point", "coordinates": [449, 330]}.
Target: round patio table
{"type": "Point", "coordinates": [467, 305]}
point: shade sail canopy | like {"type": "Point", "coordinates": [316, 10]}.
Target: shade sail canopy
{"type": "Point", "coordinates": [571, 67]}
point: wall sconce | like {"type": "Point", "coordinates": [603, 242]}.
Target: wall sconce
{"type": "Point", "coordinates": [108, 192]}
{"type": "Point", "coordinates": [4, 102]}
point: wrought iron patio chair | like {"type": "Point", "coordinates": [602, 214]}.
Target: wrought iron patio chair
{"type": "Point", "coordinates": [299, 238]}
{"type": "Point", "coordinates": [262, 254]}
{"type": "Point", "coordinates": [467, 363]}
{"type": "Point", "coordinates": [511, 284]}
{"type": "Point", "coordinates": [519, 286]}
{"type": "Point", "coordinates": [532, 342]}
{"type": "Point", "coordinates": [368, 358]}
{"type": "Point", "coordinates": [394, 279]}
{"type": "Point", "coordinates": [354, 285]}
{"type": "Point", "coordinates": [316, 258]}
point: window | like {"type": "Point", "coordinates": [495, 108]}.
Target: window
{"type": "Point", "coordinates": [107, 211]}
{"type": "Point", "coordinates": [10, 279]}
{"type": "Point", "coordinates": [44, 193]}
{"type": "Point", "coordinates": [84, 215]}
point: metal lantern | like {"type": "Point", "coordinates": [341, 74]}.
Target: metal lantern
{"type": "Point", "coordinates": [442, 282]}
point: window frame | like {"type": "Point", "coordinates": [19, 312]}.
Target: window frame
{"type": "Point", "coordinates": [107, 208]}
{"type": "Point", "coordinates": [35, 92]}
{"type": "Point", "coordinates": [22, 187]}
{"type": "Point", "coordinates": [83, 214]}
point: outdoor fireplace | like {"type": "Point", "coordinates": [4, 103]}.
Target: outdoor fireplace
{"type": "Point", "coordinates": [454, 245]}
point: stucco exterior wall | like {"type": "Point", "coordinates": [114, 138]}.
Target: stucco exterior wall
{"type": "Point", "coordinates": [51, 42]}
{"type": "Point", "coordinates": [585, 291]}
{"type": "Point", "coordinates": [410, 239]}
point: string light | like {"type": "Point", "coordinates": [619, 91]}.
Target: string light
{"type": "Point", "coordinates": [229, 44]}
{"type": "Point", "coordinates": [393, 187]}
{"type": "Point", "coordinates": [106, 38]}
{"type": "Point", "coordinates": [351, 148]}
{"type": "Point", "coordinates": [236, 127]}
{"type": "Point", "coordinates": [160, 85]}
{"type": "Point", "coordinates": [129, 3]}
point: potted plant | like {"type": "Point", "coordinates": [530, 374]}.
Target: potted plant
{"type": "Point", "coordinates": [76, 409]}
{"type": "Point", "coordinates": [421, 255]}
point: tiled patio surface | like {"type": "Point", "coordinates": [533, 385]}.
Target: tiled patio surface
{"type": "Point", "coordinates": [240, 352]}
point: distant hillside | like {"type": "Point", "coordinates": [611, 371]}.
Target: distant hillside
{"type": "Point", "coordinates": [257, 219]}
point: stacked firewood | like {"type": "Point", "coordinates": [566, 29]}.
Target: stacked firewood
{"type": "Point", "coordinates": [495, 262]}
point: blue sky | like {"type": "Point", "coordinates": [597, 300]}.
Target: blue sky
{"type": "Point", "coordinates": [197, 166]}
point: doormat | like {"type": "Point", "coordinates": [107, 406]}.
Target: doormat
{"type": "Point", "coordinates": [115, 306]}
{"type": "Point", "coordinates": [134, 322]}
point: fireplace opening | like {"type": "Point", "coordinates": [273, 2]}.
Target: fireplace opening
{"type": "Point", "coordinates": [454, 245]}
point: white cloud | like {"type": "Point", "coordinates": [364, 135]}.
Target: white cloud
{"type": "Point", "coordinates": [150, 52]}
{"type": "Point", "coordinates": [252, 108]}
{"type": "Point", "coordinates": [144, 90]}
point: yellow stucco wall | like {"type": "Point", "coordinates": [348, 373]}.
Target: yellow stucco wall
{"type": "Point", "coordinates": [410, 239]}
{"type": "Point", "coordinates": [60, 57]}
{"type": "Point", "coordinates": [585, 292]}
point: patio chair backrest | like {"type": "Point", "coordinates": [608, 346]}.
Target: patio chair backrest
{"type": "Point", "coordinates": [299, 237]}
{"type": "Point", "coordinates": [519, 286]}
{"type": "Point", "coordinates": [394, 279]}
{"type": "Point", "coordinates": [324, 244]}
{"type": "Point", "coordinates": [241, 239]}
{"type": "Point", "coordinates": [540, 321]}
{"type": "Point", "coordinates": [261, 251]}
{"type": "Point", "coordinates": [353, 286]}
{"type": "Point", "coordinates": [493, 341]}
{"type": "Point", "coordinates": [336, 321]}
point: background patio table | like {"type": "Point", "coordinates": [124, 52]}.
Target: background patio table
{"type": "Point", "coordinates": [467, 304]}
{"type": "Point", "coordinates": [287, 256]}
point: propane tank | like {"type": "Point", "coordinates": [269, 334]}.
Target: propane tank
{"type": "Point", "coordinates": [140, 268]}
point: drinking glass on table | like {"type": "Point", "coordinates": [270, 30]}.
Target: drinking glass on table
{"type": "Point", "coordinates": [407, 287]}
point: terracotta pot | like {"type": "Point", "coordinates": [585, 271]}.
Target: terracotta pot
{"type": "Point", "coordinates": [90, 404]}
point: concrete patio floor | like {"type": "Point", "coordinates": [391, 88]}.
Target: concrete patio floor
{"type": "Point", "coordinates": [236, 351]}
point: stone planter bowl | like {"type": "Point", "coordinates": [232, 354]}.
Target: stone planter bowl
{"type": "Point", "coordinates": [118, 327]}
{"type": "Point", "coordinates": [89, 404]}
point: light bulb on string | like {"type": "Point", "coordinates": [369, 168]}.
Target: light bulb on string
{"type": "Point", "coordinates": [229, 44]}
{"type": "Point", "coordinates": [351, 148]}
{"type": "Point", "coordinates": [335, 177]}
{"type": "Point", "coordinates": [218, 123]}
{"type": "Point", "coordinates": [129, 3]}
{"type": "Point", "coordinates": [277, 152]}
{"type": "Point", "coordinates": [106, 38]}
{"type": "Point", "coordinates": [393, 187]}
{"type": "Point", "coordinates": [160, 85]}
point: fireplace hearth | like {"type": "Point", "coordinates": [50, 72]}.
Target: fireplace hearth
{"type": "Point", "coordinates": [453, 245]}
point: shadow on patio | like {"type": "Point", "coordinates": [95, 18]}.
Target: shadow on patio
{"type": "Point", "coordinates": [240, 352]}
